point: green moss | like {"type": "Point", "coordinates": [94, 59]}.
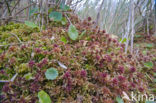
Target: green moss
{"type": "Point", "coordinates": [23, 68]}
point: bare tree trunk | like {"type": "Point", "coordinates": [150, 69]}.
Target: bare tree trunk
{"type": "Point", "coordinates": [98, 15]}
{"type": "Point", "coordinates": [147, 26]}
{"type": "Point", "coordinates": [128, 29]}
{"type": "Point", "coordinates": [155, 20]}
{"type": "Point", "coordinates": [133, 28]}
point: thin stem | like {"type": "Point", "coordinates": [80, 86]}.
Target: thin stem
{"type": "Point", "coordinates": [68, 19]}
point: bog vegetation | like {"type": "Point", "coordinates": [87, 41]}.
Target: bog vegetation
{"type": "Point", "coordinates": [70, 60]}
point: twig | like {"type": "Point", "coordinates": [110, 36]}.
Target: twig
{"type": "Point", "coordinates": [68, 18]}
{"type": "Point", "coordinates": [25, 8]}
{"type": "Point", "coordinates": [15, 5]}
{"type": "Point", "coordinates": [16, 37]}
{"type": "Point", "coordinates": [6, 18]}
{"type": "Point", "coordinates": [16, 20]}
{"type": "Point", "coordinates": [149, 77]}
{"type": "Point", "coordinates": [4, 81]}
{"type": "Point", "coordinates": [12, 79]}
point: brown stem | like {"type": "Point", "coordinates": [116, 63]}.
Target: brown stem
{"type": "Point", "coordinates": [24, 8]}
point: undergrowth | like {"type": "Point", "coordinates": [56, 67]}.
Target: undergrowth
{"type": "Point", "coordinates": [93, 68]}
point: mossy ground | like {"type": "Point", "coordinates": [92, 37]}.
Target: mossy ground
{"type": "Point", "coordinates": [97, 71]}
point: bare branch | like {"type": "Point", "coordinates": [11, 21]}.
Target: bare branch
{"type": "Point", "coordinates": [15, 5]}
{"type": "Point", "coordinates": [25, 8]}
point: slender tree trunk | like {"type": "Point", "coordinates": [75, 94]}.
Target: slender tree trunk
{"type": "Point", "coordinates": [98, 15]}
{"type": "Point", "coordinates": [128, 29]}
{"type": "Point", "coordinates": [133, 28]}
{"type": "Point", "coordinates": [147, 26]}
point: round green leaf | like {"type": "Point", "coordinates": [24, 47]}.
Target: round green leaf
{"type": "Point", "coordinates": [148, 64]}
{"type": "Point", "coordinates": [72, 32]}
{"type": "Point", "coordinates": [56, 16]}
{"type": "Point", "coordinates": [51, 74]}
{"type": "Point", "coordinates": [43, 97]}
{"type": "Point", "coordinates": [30, 24]}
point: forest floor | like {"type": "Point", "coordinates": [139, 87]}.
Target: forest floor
{"type": "Point", "coordinates": [148, 46]}
{"type": "Point", "coordinates": [29, 61]}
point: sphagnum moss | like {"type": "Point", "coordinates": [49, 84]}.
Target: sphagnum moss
{"type": "Point", "coordinates": [97, 69]}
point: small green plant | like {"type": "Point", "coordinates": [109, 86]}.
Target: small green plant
{"type": "Point", "coordinates": [148, 65]}
{"type": "Point", "coordinates": [51, 74]}
{"type": "Point", "coordinates": [43, 97]}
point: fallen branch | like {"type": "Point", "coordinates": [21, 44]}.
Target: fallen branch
{"type": "Point", "coordinates": [16, 37]}
{"type": "Point", "coordinates": [4, 81]}
{"type": "Point", "coordinates": [14, 77]}
{"type": "Point", "coordinates": [11, 80]}
{"type": "Point", "coordinates": [12, 44]}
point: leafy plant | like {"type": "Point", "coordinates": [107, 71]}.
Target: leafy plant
{"type": "Point", "coordinates": [63, 39]}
